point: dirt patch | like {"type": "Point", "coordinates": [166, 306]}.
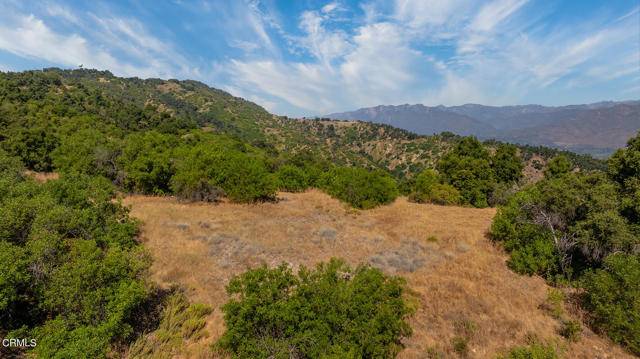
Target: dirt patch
{"type": "Point", "coordinates": [42, 176]}
{"type": "Point", "coordinates": [169, 86]}
{"type": "Point", "coordinates": [455, 272]}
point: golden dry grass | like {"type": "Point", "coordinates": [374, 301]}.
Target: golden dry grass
{"type": "Point", "coordinates": [457, 274]}
{"type": "Point", "coordinates": [42, 176]}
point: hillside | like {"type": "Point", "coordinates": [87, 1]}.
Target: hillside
{"type": "Point", "coordinates": [44, 100]}
{"type": "Point", "coordinates": [454, 272]}
{"type": "Point", "coordinates": [421, 119]}
{"type": "Point", "coordinates": [597, 128]}
{"type": "Point", "coordinates": [598, 131]}
{"type": "Point", "coordinates": [218, 186]}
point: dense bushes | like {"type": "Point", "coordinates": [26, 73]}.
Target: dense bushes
{"type": "Point", "coordinates": [359, 187]}
{"type": "Point", "coordinates": [206, 168]}
{"type": "Point", "coordinates": [563, 225]}
{"type": "Point", "coordinates": [146, 162]}
{"type": "Point", "coordinates": [471, 169]}
{"type": "Point", "coordinates": [292, 179]}
{"type": "Point", "coordinates": [612, 297]}
{"type": "Point", "coordinates": [332, 311]}
{"type": "Point", "coordinates": [71, 271]}
{"type": "Point", "coordinates": [558, 166]}
{"type": "Point", "coordinates": [583, 227]}
{"type": "Point", "coordinates": [428, 188]}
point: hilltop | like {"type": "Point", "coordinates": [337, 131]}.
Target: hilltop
{"type": "Point", "coordinates": [132, 104]}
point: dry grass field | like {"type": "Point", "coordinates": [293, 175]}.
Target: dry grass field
{"type": "Point", "coordinates": [456, 274]}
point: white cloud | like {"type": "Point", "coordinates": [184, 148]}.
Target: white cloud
{"type": "Point", "coordinates": [493, 13]}
{"type": "Point", "coordinates": [120, 45]}
{"type": "Point", "coordinates": [330, 7]}
{"type": "Point", "coordinates": [419, 13]}
{"type": "Point", "coordinates": [340, 57]}
{"type": "Point", "coordinates": [323, 44]}
{"type": "Point", "coordinates": [498, 58]}
{"type": "Point", "coordinates": [28, 36]}
{"type": "Point", "coordinates": [482, 28]}
{"type": "Point", "coordinates": [61, 12]}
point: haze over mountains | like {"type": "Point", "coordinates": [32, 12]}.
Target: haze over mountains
{"type": "Point", "coordinates": [597, 128]}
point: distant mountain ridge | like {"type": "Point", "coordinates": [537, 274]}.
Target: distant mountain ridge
{"type": "Point", "coordinates": [597, 128]}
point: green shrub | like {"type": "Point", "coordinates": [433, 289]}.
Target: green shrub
{"type": "Point", "coordinates": [86, 149]}
{"type": "Point", "coordinates": [501, 193]}
{"type": "Point", "coordinates": [146, 162]}
{"type": "Point", "coordinates": [332, 311]}
{"type": "Point", "coordinates": [533, 351]}
{"type": "Point", "coordinates": [427, 188]}
{"type": "Point", "coordinates": [506, 164]}
{"type": "Point", "coordinates": [558, 166]}
{"type": "Point", "coordinates": [32, 141]}
{"type": "Point", "coordinates": [292, 179]}
{"type": "Point", "coordinates": [465, 329]}
{"type": "Point", "coordinates": [481, 179]}
{"type": "Point", "coordinates": [624, 169]}
{"type": "Point", "coordinates": [72, 274]}
{"type": "Point", "coordinates": [204, 172]}
{"type": "Point", "coordinates": [423, 185]}
{"type": "Point", "coordinates": [555, 303]}
{"type": "Point", "coordinates": [571, 330]}
{"type": "Point", "coordinates": [445, 195]}
{"type": "Point", "coordinates": [359, 187]}
{"type": "Point", "coordinates": [563, 225]}
{"type": "Point", "coordinates": [468, 168]}
{"type": "Point", "coordinates": [611, 296]}
{"type": "Point", "coordinates": [460, 345]}
{"type": "Point", "coordinates": [583, 227]}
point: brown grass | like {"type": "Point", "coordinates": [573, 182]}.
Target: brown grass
{"type": "Point", "coordinates": [456, 272]}
{"type": "Point", "coordinates": [42, 176]}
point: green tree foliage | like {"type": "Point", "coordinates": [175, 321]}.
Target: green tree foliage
{"type": "Point", "coordinates": [87, 148]}
{"type": "Point", "coordinates": [359, 187]}
{"type": "Point", "coordinates": [558, 166]}
{"type": "Point", "coordinates": [613, 298]}
{"type": "Point", "coordinates": [506, 164]}
{"type": "Point", "coordinates": [71, 270]}
{"type": "Point", "coordinates": [468, 168]}
{"type": "Point", "coordinates": [428, 188]}
{"type": "Point", "coordinates": [481, 179]}
{"type": "Point", "coordinates": [208, 169]}
{"type": "Point", "coordinates": [624, 168]}
{"type": "Point", "coordinates": [292, 179]}
{"type": "Point", "coordinates": [32, 140]}
{"type": "Point", "coordinates": [146, 162]}
{"type": "Point", "coordinates": [562, 224]}
{"type": "Point", "coordinates": [330, 312]}
{"type": "Point", "coordinates": [583, 226]}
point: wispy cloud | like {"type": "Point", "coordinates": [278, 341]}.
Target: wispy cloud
{"type": "Point", "coordinates": [336, 56]}
{"type": "Point", "coordinates": [499, 57]}
{"type": "Point", "coordinates": [121, 45]}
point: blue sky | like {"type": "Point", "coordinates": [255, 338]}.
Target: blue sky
{"type": "Point", "coordinates": [307, 57]}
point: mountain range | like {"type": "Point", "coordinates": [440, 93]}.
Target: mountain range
{"type": "Point", "coordinates": [597, 129]}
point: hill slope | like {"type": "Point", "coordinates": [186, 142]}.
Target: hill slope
{"type": "Point", "coordinates": [35, 104]}
{"type": "Point", "coordinates": [597, 128]}
{"type": "Point", "coordinates": [458, 276]}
